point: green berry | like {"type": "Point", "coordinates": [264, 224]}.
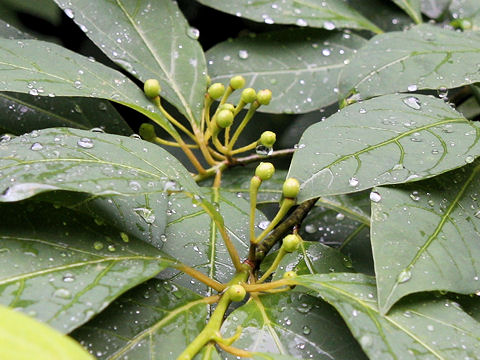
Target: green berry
{"type": "Point", "coordinates": [216, 90]}
{"type": "Point", "coordinates": [224, 118]}
{"type": "Point", "coordinates": [152, 88]}
{"type": "Point", "coordinates": [268, 138]}
{"type": "Point", "coordinates": [147, 132]}
{"type": "Point", "coordinates": [291, 243]}
{"type": "Point", "coordinates": [264, 97]}
{"type": "Point", "coordinates": [237, 82]}
{"type": "Point", "coordinates": [289, 275]}
{"type": "Point", "coordinates": [236, 292]}
{"type": "Point", "coordinates": [249, 95]}
{"type": "Point", "coordinates": [265, 171]}
{"type": "Point", "coordinates": [291, 188]}
{"type": "Point", "coordinates": [227, 106]}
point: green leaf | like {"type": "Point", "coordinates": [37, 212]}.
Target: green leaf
{"type": "Point", "coordinates": [45, 9]}
{"type": "Point", "coordinates": [416, 329]}
{"type": "Point", "coordinates": [328, 14]}
{"type": "Point", "coordinates": [355, 206]}
{"type": "Point", "coordinates": [469, 108]}
{"type": "Point", "coordinates": [23, 113]}
{"type": "Point", "coordinates": [41, 68]}
{"type": "Point", "coordinates": [424, 236]}
{"type": "Point", "coordinates": [291, 324]}
{"type": "Point", "coordinates": [7, 31]}
{"type": "Point", "coordinates": [424, 57]}
{"type": "Point", "coordinates": [300, 66]}
{"type": "Point", "coordinates": [378, 142]}
{"type": "Point", "coordinates": [468, 10]}
{"type": "Point", "coordinates": [156, 320]}
{"type": "Point", "coordinates": [86, 161]}
{"type": "Point", "coordinates": [63, 268]}
{"type": "Point", "coordinates": [412, 8]}
{"type": "Point", "coordinates": [386, 16]}
{"type": "Point", "coordinates": [21, 337]}
{"type": "Point", "coordinates": [192, 237]}
{"type": "Point", "coordinates": [434, 8]}
{"type": "Point", "coordinates": [149, 42]}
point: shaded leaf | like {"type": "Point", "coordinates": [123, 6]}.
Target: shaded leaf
{"type": "Point", "coordinates": [387, 15]}
{"type": "Point", "coordinates": [434, 8]}
{"type": "Point", "coordinates": [192, 237]}
{"type": "Point", "coordinates": [63, 268]}
{"type": "Point", "coordinates": [149, 42]}
{"type": "Point", "coordinates": [300, 66]}
{"type": "Point", "coordinates": [425, 236]}
{"type": "Point", "coordinates": [355, 206]}
{"type": "Point", "coordinates": [155, 320]}
{"type": "Point", "coordinates": [420, 328]}
{"type": "Point", "coordinates": [412, 8]}
{"type": "Point", "coordinates": [379, 142]}
{"type": "Point", "coordinates": [86, 161]}
{"type": "Point", "coordinates": [328, 14]}
{"type": "Point", "coordinates": [424, 57]}
{"type": "Point", "coordinates": [291, 324]}
{"type": "Point", "coordinates": [23, 113]}
{"type": "Point", "coordinates": [41, 68]}
{"type": "Point", "coordinates": [45, 9]}
{"type": "Point", "coordinates": [21, 337]}
{"type": "Point", "coordinates": [7, 31]}
{"type": "Point", "coordinates": [468, 10]}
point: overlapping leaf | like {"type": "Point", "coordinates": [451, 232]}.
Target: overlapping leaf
{"type": "Point", "coordinates": [7, 31]}
{"type": "Point", "coordinates": [149, 41]}
{"type": "Point", "coordinates": [420, 328]}
{"type": "Point", "coordinates": [468, 10]}
{"type": "Point", "coordinates": [20, 337]}
{"type": "Point", "coordinates": [301, 66]}
{"type": "Point", "coordinates": [328, 14]}
{"type": "Point", "coordinates": [293, 325]}
{"type": "Point", "coordinates": [154, 320]}
{"type": "Point", "coordinates": [412, 8]}
{"type": "Point", "coordinates": [42, 68]}
{"type": "Point", "coordinates": [85, 161]}
{"type": "Point", "coordinates": [63, 268]}
{"type": "Point", "coordinates": [434, 8]}
{"type": "Point", "coordinates": [424, 57]}
{"type": "Point", "coordinates": [425, 236]}
{"type": "Point", "coordinates": [379, 142]}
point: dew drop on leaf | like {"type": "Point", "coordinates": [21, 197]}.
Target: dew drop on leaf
{"type": "Point", "coordinates": [301, 22]}
{"type": "Point", "coordinates": [375, 196]}
{"type": "Point", "coordinates": [366, 341]}
{"type": "Point", "coordinates": [193, 33]}
{"type": "Point", "coordinates": [328, 25]}
{"type": "Point", "coordinates": [36, 146]}
{"type": "Point", "coordinates": [97, 130]}
{"type": "Point", "coordinates": [412, 87]}
{"type": "Point", "coordinates": [68, 277]}
{"type": "Point", "coordinates": [98, 245]}
{"type": "Point", "coordinates": [306, 330]}
{"type": "Point", "coordinates": [353, 182]}
{"type": "Point", "coordinates": [69, 13]}
{"type": "Point", "coordinates": [62, 293]}
{"type": "Point", "coordinates": [146, 214]}
{"type": "Point", "coordinates": [85, 143]}
{"type": "Point", "coordinates": [263, 150]}
{"type": "Point", "coordinates": [412, 102]}
{"type": "Point", "coordinates": [263, 224]}
{"type": "Point", "coordinates": [404, 276]}
{"type": "Point", "coordinates": [469, 159]}
{"type": "Point", "coordinates": [243, 54]}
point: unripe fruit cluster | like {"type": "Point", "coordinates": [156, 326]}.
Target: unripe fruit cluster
{"type": "Point", "coordinates": [224, 118]}
{"type": "Point", "coordinates": [265, 171]}
{"type": "Point", "coordinates": [152, 88]}
{"type": "Point", "coordinates": [291, 188]}
{"type": "Point", "coordinates": [236, 292]}
{"type": "Point", "coordinates": [291, 242]}
{"type": "Point", "coordinates": [268, 138]}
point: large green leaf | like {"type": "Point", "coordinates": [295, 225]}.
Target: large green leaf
{"type": "Point", "coordinates": [300, 66]}
{"type": "Point", "coordinates": [41, 68]}
{"type": "Point", "coordinates": [425, 236]}
{"type": "Point", "coordinates": [44, 9]}
{"type": "Point", "coordinates": [21, 338]}
{"type": "Point", "coordinates": [156, 320]}
{"type": "Point", "coordinates": [149, 41]}
{"type": "Point", "coordinates": [421, 328]}
{"type": "Point", "coordinates": [7, 31]}
{"type": "Point", "coordinates": [412, 8]}
{"type": "Point", "coordinates": [192, 237]}
{"type": "Point", "coordinates": [328, 14]}
{"type": "Point", "coordinates": [23, 113]}
{"type": "Point", "coordinates": [424, 57]}
{"type": "Point", "coordinates": [434, 8]}
{"type": "Point", "coordinates": [63, 268]}
{"type": "Point", "coordinates": [86, 161]}
{"type": "Point", "coordinates": [292, 324]}
{"type": "Point", "coordinates": [379, 142]}
{"type": "Point", "coordinates": [468, 10]}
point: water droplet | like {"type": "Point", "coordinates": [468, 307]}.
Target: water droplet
{"type": "Point", "coordinates": [414, 196]}
{"type": "Point", "coordinates": [353, 181]}
{"type": "Point", "coordinates": [442, 92]}
{"type": "Point", "coordinates": [193, 33]}
{"type": "Point", "coordinates": [124, 237]}
{"type": "Point", "coordinates": [469, 159]}
{"type": "Point", "coordinates": [404, 276]}
{"type": "Point", "coordinates": [62, 293]}
{"type": "Point", "coordinates": [69, 13]}
{"type": "Point", "coordinates": [340, 217]}
{"type": "Point", "coordinates": [477, 214]}
{"type": "Point", "coordinates": [134, 185]}
{"type": "Point", "coordinates": [375, 196]}
{"type": "Point", "coordinates": [326, 52]}
{"type": "Point", "coordinates": [97, 245]}
{"type": "Point", "coordinates": [366, 341]}
{"type": "Point", "coordinates": [310, 228]}
{"type": "Point", "coordinates": [412, 102]}
{"type": "Point", "coordinates": [36, 146]}
{"type": "Point", "coordinates": [263, 150]}
{"type": "Point", "coordinates": [85, 143]}
{"type": "Point", "coordinates": [33, 92]}
{"type": "Point", "coordinates": [97, 130]}
{"type": "Point", "coordinates": [243, 54]}
{"type": "Point", "coordinates": [77, 84]}
{"type": "Point", "coordinates": [68, 277]}
{"type": "Point", "coordinates": [306, 330]}
{"type": "Point", "coordinates": [146, 214]}
{"type": "Point", "coordinates": [263, 224]}
{"type": "Point", "coordinates": [412, 87]}
{"type": "Point", "coordinates": [430, 327]}
{"type": "Point", "coordinates": [328, 25]}
{"type": "Point", "coordinates": [111, 248]}
{"type": "Point", "coordinates": [301, 22]}
{"type": "Point", "coordinates": [362, 111]}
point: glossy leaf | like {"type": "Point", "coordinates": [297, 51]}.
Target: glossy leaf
{"type": "Point", "coordinates": [434, 8]}
{"type": "Point", "coordinates": [412, 8]}
{"type": "Point", "coordinates": [41, 68]}
{"type": "Point", "coordinates": [44, 9]}
{"type": "Point", "coordinates": [192, 237]}
{"type": "Point", "coordinates": [328, 14]}
{"type": "Point", "coordinates": [155, 320]}
{"type": "Point", "coordinates": [149, 41]}
{"type": "Point", "coordinates": [424, 57]}
{"type": "Point", "coordinates": [21, 337]}
{"type": "Point", "coordinates": [379, 142]}
{"type": "Point", "coordinates": [24, 113]}
{"type": "Point", "coordinates": [86, 161]}
{"type": "Point", "coordinates": [63, 268]}
{"type": "Point", "coordinates": [355, 206]}
{"type": "Point", "coordinates": [300, 66]}
{"type": "Point", "coordinates": [292, 324]}
{"type": "Point", "coordinates": [420, 328]}
{"type": "Point", "coordinates": [425, 236]}
{"type": "Point", "coordinates": [468, 10]}
{"type": "Point", "coordinates": [7, 31]}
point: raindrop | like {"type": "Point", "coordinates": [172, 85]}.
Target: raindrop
{"type": "Point", "coordinates": [77, 84]}
{"type": "Point", "coordinates": [353, 181]}
{"type": "Point", "coordinates": [263, 224]}
{"type": "Point", "coordinates": [193, 33]}
{"type": "Point", "coordinates": [301, 22]}
{"type": "Point", "coordinates": [310, 228]}
{"type": "Point", "coordinates": [263, 150]}
{"type": "Point", "coordinates": [62, 293]}
{"type": "Point", "coordinates": [306, 330]}
{"type": "Point", "coordinates": [134, 185]}
{"type": "Point", "coordinates": [111, 248]}
{"type": "Point", "coordinates": [412, 87]}
{"type": "Point", "coordinates": [146, 214]}
{"type": "Point", "coordinates": [243, 54]}
{"type": "Point", "coordinates": [375, 196]}
{"type": "Point", "coordinates": [362, 111]}
{"type": "Point", "coordinates": [69, 13]}
{"type": "Point", "coordinates": [97, 130]}
{"type": "Point", "coordinates": [68, 277]}
{"type": "Point", "coordinates": [442, 92]}
{"type": "Point", "coordinates": [404, 276]}
{"type": "Point", "coordinates": [36, 146]}
{"type": "Point", "coordinates": [328, 25]}
{"type": "Point", "coordinates": [326, 52]}
{"type": "Point", "coordinates": [430, 328]}
{"type": "Point", "coordinates": [85, 143]}
{"type": "Point", "coordinates": [97, 245]}
{"type": "Point", "coordinates": [340, 217]}
{"type": "Point", "coordinates": [477, 214]}
{"type": "Point", "coordinates": [469, 159]}
{"type": "Point", "coordinates": [414, 196]}
{"type": "Point", "coordinates": [33, 92]}
{"type": "Point", "coordinates": [366, 341]}
{"type": "Point", "coordinates": [412, 102]}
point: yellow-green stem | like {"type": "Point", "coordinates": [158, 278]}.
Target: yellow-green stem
{"type": "Point", "coordinates": [170, 118]}
{"type": "Point", "coordinates": [253, 107]}
{"type": "Point", "coordinates": [268, 286]}
{"type": "Point", "coordinates": [281, 253]}
{"type": "Point", "coordinates": [201, 277]}
{"type": "Point", "coordinates": [248, 147]}
{"type": "Point", "coordinates": [161, 141]}
{"type": "Point", "coordinates": [286, 205]}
